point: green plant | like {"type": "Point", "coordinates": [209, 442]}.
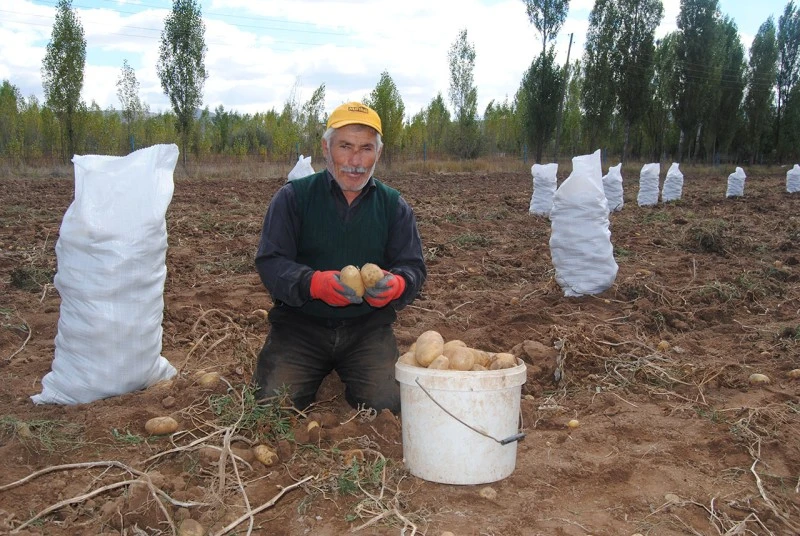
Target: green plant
{"type": "Point", "coordinates": [723, 292]}
{"type": "Point", "coordinates": [621, 253]}
{"type": "Point", "coordinates": [263, 417]}
{"type": "Point", "coordinates": [31, 278]}
{"type": "Point", "coordinates": [127, 437]}
{"type": "Point", "coordinates": [471, 240]}
{"type": "Point", "coordinates": [791, 332]}
{"type": "Point", "coordinates": [707, 237]}
{"type": "Point", "coordinates": [652, 217]}
{"type": "Point", "coordinates": [43, 435]}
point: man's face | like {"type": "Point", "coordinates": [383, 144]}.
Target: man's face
{"type": "Point", "coordinates": [351, 156]}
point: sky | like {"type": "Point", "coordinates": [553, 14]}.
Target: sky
{"type": "Point", "coordinates": [262, 53]}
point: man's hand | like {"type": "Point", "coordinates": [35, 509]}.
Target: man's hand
{"type": "Point", "coordinates": [327, 286]}
{"type": "Point", "coordinates": [389, 288]}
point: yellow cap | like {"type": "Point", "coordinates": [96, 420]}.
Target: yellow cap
{"type": "Point", "coordinates": [355, 113]}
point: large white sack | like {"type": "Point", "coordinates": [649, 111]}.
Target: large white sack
{"type": "Point", "coordinates": [612, 186]}
{"type": "Point", "coordinates": [673, 184]}
{"type": "Point", "coordinates": [544, 188]}
{"type": "Point", "coordinates": [301, 169]}
{"type": "Point", "coordinates": [648, 185]}
{"type": "Point", "coordinates": [111, 269]}
{"type": "Point", "coordinates": [580, 240]}
{"type": "Point", "coordinates": [793, 180]}
{"type": "Point", "coordinates": [736, 183]}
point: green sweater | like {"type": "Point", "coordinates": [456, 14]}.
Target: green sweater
{"type": "Point", "coordinates": [327, 242]}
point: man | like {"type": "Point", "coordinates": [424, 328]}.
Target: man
{"type": "Point", "coordinates": [315, 226]}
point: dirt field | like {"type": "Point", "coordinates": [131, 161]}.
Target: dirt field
{"type": "Point", "coordinates": [673, 438]}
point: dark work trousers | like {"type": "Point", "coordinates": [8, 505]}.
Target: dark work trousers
{"type": "Point", "coordinates": [301, 350]}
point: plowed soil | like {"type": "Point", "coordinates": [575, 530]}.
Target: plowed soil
{"type": "Point", "coordinates": [672, 436]}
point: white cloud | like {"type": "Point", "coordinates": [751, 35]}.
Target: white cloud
{"type": "Point", "coordinates": [260, 52]}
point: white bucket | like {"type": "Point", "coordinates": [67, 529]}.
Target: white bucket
{"type": "Point", "coordinates": [439, 448]}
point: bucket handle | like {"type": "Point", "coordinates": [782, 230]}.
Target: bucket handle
{"type": "Point", "coordinates": [510, 439]}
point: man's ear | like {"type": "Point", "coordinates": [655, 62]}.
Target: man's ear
{"type": "Point", "coordinates": [325, 148]}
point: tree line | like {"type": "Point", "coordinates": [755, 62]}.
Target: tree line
{"type": "Point", "coordinates": [694, 95]}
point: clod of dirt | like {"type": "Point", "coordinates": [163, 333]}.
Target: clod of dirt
{"type": "Point", "coordinates": [794, 374]}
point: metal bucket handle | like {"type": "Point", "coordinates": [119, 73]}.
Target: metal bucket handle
{"type": "Point", "coordinates": [510, 439]}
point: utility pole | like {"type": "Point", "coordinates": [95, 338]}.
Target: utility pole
{"type": "Point", "coordinates": [561, 102]}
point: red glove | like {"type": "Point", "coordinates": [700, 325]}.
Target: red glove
{"type": "Point", "coordinates": [389, 288]}
{"type": "Point", "coordinates": [327, 286]}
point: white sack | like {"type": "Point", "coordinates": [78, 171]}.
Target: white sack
{"type": "Point", "coordinates": [544, 188]}
{"type": "Point", "coordinates": [648, 185]}
{"type": "Point", "coordinates": [793, 180]}
{"type": "Point", "coordinates": [111, 269]}
{"type": "Point", "coordinates": [580, 240]}
{"type": "Point", "coordinates": [612, 186]}
{"type": "Point", "coordinates": [736, 183]}
{"type": "Point", "coordinates": [301, 169]}
{"type": "Point", "coordinates": [673, 184]}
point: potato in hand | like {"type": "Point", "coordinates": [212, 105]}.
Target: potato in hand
{"type": "Point", "coordinates": [371, 274]}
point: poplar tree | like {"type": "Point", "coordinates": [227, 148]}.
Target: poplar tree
{"type": "Point", "coordinates": [128, 94]}
{"type": "Point", "coordinates": [633, 53]}
{"type": "Point", "coordinates": [761, 73]}
{"type": "Point", "coordinates": [464, 97]}
{"type": "Point", "coordinates": [181, 64]}
{"type": "Point", "coordinates": [539, 97]}
{"type": "Point", "coordinates": [728, 84]}
{"type": "Point", "coordinates": [386, 100]}
{"type": "Point", "coordinates": [788, 65]}
{"type": "Point", "coordinates": [62, 71]}
{"type": "Point", "coordinates": [694, 54]}
{"type": "Point", "coordinates": [547, 16]}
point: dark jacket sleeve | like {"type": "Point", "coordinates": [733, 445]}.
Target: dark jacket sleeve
{"type": "Point", "coordinates": [404, 253]}
{"type": "Point", "coordinates": [286, 280]}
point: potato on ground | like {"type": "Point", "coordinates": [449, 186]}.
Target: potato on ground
{"type": "Point", "coordinates": [429, 346]}
{"type": "Point", "coordinates": [161, 426]}
{"type": "Point", "coordinates": [351, 276]}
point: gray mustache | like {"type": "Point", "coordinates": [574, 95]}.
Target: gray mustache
{"type": "Point", "coordinates": [354, 169]}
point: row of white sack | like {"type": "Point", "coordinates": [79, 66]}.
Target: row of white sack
{"type": "Point", "coordinates": [544, 185]}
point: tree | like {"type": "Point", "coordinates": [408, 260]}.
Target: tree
{"type": "Point", "coordinates": [572, 119]}
{"type": "Point", "coordinates": [128, 94]}
{"type": "Point", "coordinates": [386, 100]}
{"type": "Point", "coordinates": [437, 124]}
{"type": "Point", "coordinates": [694, 51]}
{"type": "Point", "coordinates": [547, 16]}
{"type": "Point", "coordinates": [62, 70]}
{"type": "Point", "coordinates": [598, 94]}
{"type": "Point", "coordinates": [464, 97]}
{"type": "Point", "coordinates": [788, 66]}
{"type": "Point", "coordinates": [181, 64]}
{"type": "Point", "coordinates": [728, 81]}
{"type": "Point", "coordinates": [633, 55]}
{"type": "Point", "coordinates": [311, 121]}
{"type": "Point", "coordinates": [761, 73]}
{"type": "Point", "coordinates": [659, 124]}
{"type": "Point", "coordinates": [539, 96]}
{"type": "Point", "coordinates": [10, 123]}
